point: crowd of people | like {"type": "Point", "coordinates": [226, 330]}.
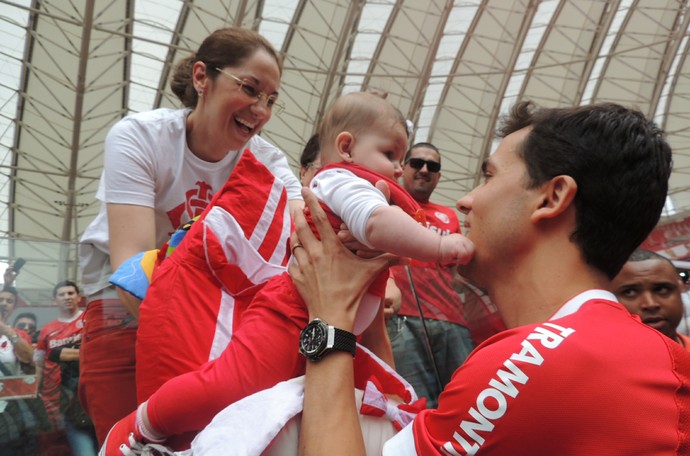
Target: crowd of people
{"type": "Point", "coordinates": [47, 419]}
{"type": "Point", "coordinates": [350, 324]}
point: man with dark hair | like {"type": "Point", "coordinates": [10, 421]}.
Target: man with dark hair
{"type": "Point", "coordinates": [27, 322]}
{"type": "Point", "coordinates": [57, 362]}
{"type": "Point", "coordinates": [19, 342]}
{"type": "Point", "coordinates": [565, 199]}
{"type": "Point", "coordinates": [20, 421]}
{"type": "Point", "coordinates": [429, 335]}
{"type": "Point", "coordinates": [649, 287]}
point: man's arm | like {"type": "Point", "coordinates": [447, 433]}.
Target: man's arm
{"type": "Point", "coordinates": [64, 354]}
{"type": "Point", "coordinates": [331, 280]}
{"type": "Point", "coordinates": [22, 349]}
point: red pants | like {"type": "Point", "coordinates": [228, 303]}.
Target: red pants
{"type": "Point", "coordinates": [107, 387]}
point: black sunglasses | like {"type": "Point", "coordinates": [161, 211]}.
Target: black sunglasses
{"type": "Point", "coordinates": [28, 326]}
{"type": "Point", "coordinates": [418, 163]}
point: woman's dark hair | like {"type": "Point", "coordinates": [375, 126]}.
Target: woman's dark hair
{"type": "Point", "coordinates": [225, 47]}
{"type": "Point", "coordinates": [620, 161]}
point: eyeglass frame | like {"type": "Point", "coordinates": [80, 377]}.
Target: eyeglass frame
{"type": "Point", "coordinates": [276, 107]}
{"type": "Point", "coordinates": [7, 300]}
{"type": "Point", "coordinates": [429, 164]}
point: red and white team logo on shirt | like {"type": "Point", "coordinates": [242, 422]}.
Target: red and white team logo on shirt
{"type": "Point", "coordinates": [196, 200]}
{"type": "Point", "coordinates": [442, 217]}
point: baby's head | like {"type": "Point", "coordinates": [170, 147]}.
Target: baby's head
{"type": "Point", "coordinates": [364, 129]}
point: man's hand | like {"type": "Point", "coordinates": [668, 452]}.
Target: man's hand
{"type": "Point", "coordinates": [9, 275]}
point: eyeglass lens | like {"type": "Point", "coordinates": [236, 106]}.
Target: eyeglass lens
{"type": "Point", "coordinates": [26, 326]}
{"type": "Point", "coordinates": [270, 101]}
{"type": "Point", "coordinates": [418, 163]}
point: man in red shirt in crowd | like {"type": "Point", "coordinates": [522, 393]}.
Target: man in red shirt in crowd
{"type": "Point", "coordinates": [57, 363]}
{"type": "Point", "coordinates": [429, 345]}
{"type": "Point", "coordinates": [649, 286]}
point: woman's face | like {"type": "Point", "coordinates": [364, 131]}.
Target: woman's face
{"type": "Point", "coordinates": [239, 101]}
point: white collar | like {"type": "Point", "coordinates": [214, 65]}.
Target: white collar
{"type": "Point", "coordinates": [72, 318]}
{"type": "Point", "coordinates": [574, 304]}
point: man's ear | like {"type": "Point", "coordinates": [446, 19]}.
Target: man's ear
{"type": "Point", "coordinates": [344, 143]}
{"type": "Point", "coordinates": [557, 196]}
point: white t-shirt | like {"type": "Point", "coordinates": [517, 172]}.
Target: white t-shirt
{"type": "Point", "coordinates": [7, 356]}
{"type": "Point", "coordinates": [353, 199]}
{"type": "Point", "coordinates": [148, 163]}
{"type": "Point", "coordinates": [350, 197]}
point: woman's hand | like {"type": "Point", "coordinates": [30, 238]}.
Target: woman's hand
{"type": "Point", "coordinates": [330, 278]}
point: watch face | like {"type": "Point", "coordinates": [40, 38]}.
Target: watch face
{"type": "Point", "coordinates": [313, 338]}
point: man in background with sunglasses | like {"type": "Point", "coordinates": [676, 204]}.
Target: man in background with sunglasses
{"type": "Point", "coordinates": [428, 347]}
{"type": "Point", "coordinates": [27, 322]}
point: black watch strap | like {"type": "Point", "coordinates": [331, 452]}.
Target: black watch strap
{"type": "Point", "coordinates": [318, 339]}
{"type": "Point", "coordinates": [344, 341]}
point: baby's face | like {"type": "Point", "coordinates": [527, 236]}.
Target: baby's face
{"type": "Point", "coordinates": [381, 150]}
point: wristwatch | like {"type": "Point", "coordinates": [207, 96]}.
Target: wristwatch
{"type": "Point", "coordinates": [319, 339]}
{"type": "Point", "coordinates": [14, 338]}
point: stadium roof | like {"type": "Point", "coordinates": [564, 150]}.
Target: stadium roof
{"type": "Point", "coordinates": [71, 68]}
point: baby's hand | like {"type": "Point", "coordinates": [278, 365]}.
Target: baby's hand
{"type": "Point", "coordinates": [455, 249]}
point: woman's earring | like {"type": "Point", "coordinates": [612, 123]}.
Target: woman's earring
{"type": "Point", "coordinates": [201, 93]}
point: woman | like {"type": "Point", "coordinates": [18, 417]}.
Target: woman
{"type": "Point", "coordinates": [161, 169]}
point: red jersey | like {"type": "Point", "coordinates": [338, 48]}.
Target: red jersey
{"type": "Point", "coordinates": [684, 341]}
{"type": "Point", "coordinates": [57, 333]}
{"type": "Point", "coordinates": [434, 286]}
{"type": "Point", "coordinates": [593, 381]}
{"type": "Point", "coordinates": [433, 283]}
{"type": "Point", "coordinates": [237, 244]}
{"type": "Point", "coordinates": [196, 295]}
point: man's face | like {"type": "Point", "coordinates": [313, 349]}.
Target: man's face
{"type": "Point", "coordinates": [26, 324]}
{"type": "Point", "coordinates": [67, 300]}
{"type": "Point", "coordinates": [7, 303]}
{"type": "Point", "coordinates": [651, 289]}
{"type": "Point", "coordinates": [497, 212]}
{"type": "Point", "coordinates": [420, 183]}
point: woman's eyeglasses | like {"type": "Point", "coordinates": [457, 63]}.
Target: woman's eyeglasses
{"type": "Point", "coordinates": [271, 101]}
{"type": "Point", "coordinates": [418, 163]}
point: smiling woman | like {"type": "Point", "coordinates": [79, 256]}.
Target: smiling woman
{"type": "Point", "coordinates": [161, 169]}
